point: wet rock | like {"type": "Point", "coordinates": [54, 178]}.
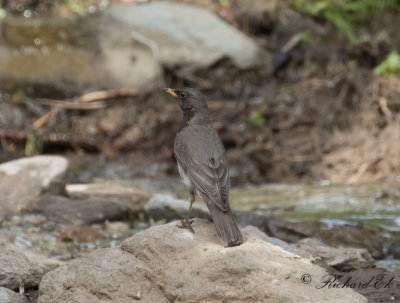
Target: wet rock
{"type": "Point", "coordinates": [164, 264]}
{"type": "Point", "coordinates": [90, 210]}
{"type": "Point", "coordinates": [389, 265]}
{"type": "Point", "coordinates": [164, 207]}
{"type": "Point", "coordinates": [23, 180]}
{"type": "Point", "coordinates": [21, 266]}
{"type": "Point", "coordinates": [379, 243]}
{"type": "Point", "coordinates": [8, 296]}
{"type": "Point", "coordinates": [132, 197]}
{"type": "Point", "coordinates": [116, 48]}
{"type": "Point", "coordinates": [341, 258]}
{"type": "Point", "coordinates": [51, 55]}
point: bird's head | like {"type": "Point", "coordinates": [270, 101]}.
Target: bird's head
{"type": "Point", "coordinates": [188, 98]}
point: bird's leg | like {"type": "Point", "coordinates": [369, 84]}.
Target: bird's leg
{"type": "Point", "coordinates": [186, 223]}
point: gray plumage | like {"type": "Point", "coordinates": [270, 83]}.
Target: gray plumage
{"type": "Point", "coordinates": [202, 162]}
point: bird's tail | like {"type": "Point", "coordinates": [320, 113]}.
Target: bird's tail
{"type": "Point", "coordinates": [225, 225]}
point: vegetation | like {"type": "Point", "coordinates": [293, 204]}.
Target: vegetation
{"type": "Point", "coordinates": [390, 66]}
{"type": "Point", "coordinates": [345, 14]}
{"type": "Point", "coordinates": [257, 119]}
{"type": "Point", "coordinates": [34, 144]}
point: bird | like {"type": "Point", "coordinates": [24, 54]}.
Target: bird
{"type": "Point", "coordinates": [202, 164]}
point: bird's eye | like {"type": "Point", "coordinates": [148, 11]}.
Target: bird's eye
{"type": "Point", "coordinates": [182, 95]}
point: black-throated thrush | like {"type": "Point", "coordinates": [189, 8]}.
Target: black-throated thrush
{"type": "Point", "coordinates": [202, 163]}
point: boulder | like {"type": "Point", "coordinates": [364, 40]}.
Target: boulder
{"type": "Point", "coordinates": [90, 210]}
{"type": "Point", "coordinates": [19, 266]}
{"type": "Point", "coordinates": [188, 35]}
{"type": "Point", "coordinates": [168, 264]}
{"type": "Point", "coordinates": [340, 258]}
{"type": "Point", "coordinates": [72, 55]}
{"type": "Point", "coordinates": [8, 296]}
{"type": "Point", "coordinates": [132, 197]}
{"type": "Point", "coordinates": [23, 180]}
{"type": "Point", "coordinates": [121, 47]}
{"type": "Point", "coordinates": [378, 242]}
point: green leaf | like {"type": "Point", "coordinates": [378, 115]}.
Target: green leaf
{"type": "Point", "coordinates": [3, 13]}
{"type": "Point", "coordinates": [257, 119]}
{"type": "Point", "coordinates": [390, 66]}
{"type": "Point", "coordinates": [342, 23]}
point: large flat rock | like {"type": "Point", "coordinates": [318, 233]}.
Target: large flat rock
{"type": "Point", "coordinates": [168, 264]}
{"type": "Point", "coordinates": [23, 180]}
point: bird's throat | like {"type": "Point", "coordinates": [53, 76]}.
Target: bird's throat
{"type": "Point", "coordinates": [187, 116]}
{"type": "Point", "coordinates": [193, 116]}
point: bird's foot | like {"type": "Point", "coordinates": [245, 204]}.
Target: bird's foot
{"type": "Point", "coordinates": [187, 225]}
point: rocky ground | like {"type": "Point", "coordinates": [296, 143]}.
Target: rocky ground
{"type": "Point", "coordinates": [145, 259]}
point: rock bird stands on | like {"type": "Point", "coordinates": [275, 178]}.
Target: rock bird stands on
{"type": "Point", "coordinates": [202, 164]}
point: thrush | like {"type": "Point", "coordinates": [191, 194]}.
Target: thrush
{"type": "Point", "coordinates": [202, 164]}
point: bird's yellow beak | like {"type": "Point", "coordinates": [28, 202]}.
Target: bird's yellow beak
{"type": "Point", "coordinates": [171, 92]}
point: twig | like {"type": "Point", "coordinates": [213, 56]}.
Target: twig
{"type": "Point", "coordinates": [106, 94]}
{"type": "Point", "coordinates": [72, 104]}
{"type": "Point", "coordinates": [294, 40]}
{"type": "Point", "coordinates": [12, 134]}
{"type": "Point", "coordinates": [51, 139]}
{"type": "Point", "coordinates": [21, 285]}
{"type": "Point", "coordinates": [385, 109]}
{"type": "Point", "coordinates": [89, 101]}
{"type": "Point", "coordinates": [313, 82]}
{"type": "Point", "coordinates": [43, 120]}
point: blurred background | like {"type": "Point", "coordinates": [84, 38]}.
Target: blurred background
{"type": "Point", "coordinates": [300, 91]}
{"type": "Point", "coordinates": [305, 95]}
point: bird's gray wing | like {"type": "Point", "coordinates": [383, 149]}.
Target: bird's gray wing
{"type": "Point", "coordinates": [208, 173]}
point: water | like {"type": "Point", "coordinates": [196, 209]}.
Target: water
{"type": "Point", "coordinates": [372, 205]}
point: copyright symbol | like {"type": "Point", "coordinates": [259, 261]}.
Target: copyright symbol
{"type": "Point", "coordinates": [306, 279]}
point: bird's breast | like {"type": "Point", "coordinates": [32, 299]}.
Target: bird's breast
{"type": "Point", "coordinates": [184, 176]}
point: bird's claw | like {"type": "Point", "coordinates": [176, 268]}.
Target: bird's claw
{"type": "Point", "coordinates": [186, 224]}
